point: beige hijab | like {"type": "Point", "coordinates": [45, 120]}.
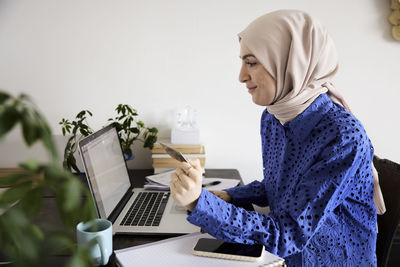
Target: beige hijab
{"type": "Point", "coordinates": [299, 54]}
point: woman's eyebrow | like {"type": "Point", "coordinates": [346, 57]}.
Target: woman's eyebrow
{"type": "Point", "coordinates": [246, 56]}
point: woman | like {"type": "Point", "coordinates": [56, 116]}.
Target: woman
{"type": "Point", "coordinates": [318, 177]}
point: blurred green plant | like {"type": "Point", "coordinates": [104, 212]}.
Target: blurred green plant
{"type": "Point", "coordinates": [79, 128]}
{"type": "Point", "coordinates": [129, 127]}
{"type": "Point", "coordinates": [22, 241]}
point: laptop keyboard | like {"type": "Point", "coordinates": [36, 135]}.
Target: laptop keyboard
{"type": "Point", "coordinates": [147, 209]}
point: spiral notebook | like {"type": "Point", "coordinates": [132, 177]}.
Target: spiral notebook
{"type": "Point", "coordinates": [177, 252]}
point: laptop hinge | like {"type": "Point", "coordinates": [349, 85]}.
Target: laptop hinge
{"type": "Point", "coordinates": [120, 206]}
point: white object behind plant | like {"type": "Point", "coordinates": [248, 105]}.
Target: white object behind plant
{"type": "Point", "coordinates": [185, 130]}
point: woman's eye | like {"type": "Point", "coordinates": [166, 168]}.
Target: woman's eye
{"type": "Point", "coordinates": [251, 64]}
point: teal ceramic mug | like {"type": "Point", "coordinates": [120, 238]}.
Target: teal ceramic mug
{"type": "Point", "coordinates": [96, 235]}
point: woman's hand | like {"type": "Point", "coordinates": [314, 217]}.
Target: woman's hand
{"type": "Point", "coordinates": [222, 195]}
{"type": "Point", "coordinates": [186, 183]}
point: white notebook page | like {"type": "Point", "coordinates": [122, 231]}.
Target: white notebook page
{"type": "Point", "coordinates": [177, 252]}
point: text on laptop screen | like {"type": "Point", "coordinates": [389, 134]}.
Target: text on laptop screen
{"type": "Point", "coordinates": [106, 169]}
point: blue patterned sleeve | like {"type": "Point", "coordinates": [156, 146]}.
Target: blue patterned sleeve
{"type": "Point", "coordinates": [252, 193]}
{"type": "Point", "coordinates": [324, 190]}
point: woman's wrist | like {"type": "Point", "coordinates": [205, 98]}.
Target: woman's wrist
{"type": "Point", "coordinates": [192, 205]}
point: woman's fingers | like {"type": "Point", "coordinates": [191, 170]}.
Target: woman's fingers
{"type": "Point", "coordinates": [172, 186]}
{"type": "Point", "coordinates": [186, 171]}
{"type": "Point", "coordinates": [185, 167]}
{"type": "Point", "coordinates": [191, 164]}
{"type": "Point", "coordinates": [183, 189]}
{"type": "Point", "coordinates": [195, 163]}
{"type": "Point", "coordinates": [183, 179]}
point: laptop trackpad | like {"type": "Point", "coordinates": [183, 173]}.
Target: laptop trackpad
{"type": "Point", "coordinates": [177, 209]}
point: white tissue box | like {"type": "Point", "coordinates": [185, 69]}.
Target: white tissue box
{"type": "Point", "coordinates": [185, 137]}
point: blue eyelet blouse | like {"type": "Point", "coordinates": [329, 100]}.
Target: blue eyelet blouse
{"type": "Point", "coordinates": [318, 183]}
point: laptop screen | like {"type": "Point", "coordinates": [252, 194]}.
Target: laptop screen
{"type": "Point", "coordinates": [105, 168]}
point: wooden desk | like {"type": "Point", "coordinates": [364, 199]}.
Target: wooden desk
{"type": "Point", "coordinates": [48, 218]}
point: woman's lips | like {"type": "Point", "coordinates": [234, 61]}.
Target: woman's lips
{"type": "Point", "coordinates": [251, 89]}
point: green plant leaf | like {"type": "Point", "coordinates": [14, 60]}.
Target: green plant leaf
{"type": "Point", "coordinates": [30, 165]}
{"type": "Point", "coordinates": [11, 179]}
{"type": "Point", "coordinates": [83, 131]}
{"type": "Point", "coordinates": [81, 259]}
{"type": "Point", "coordinates": [37, 233]}
{"type": "Point", "coordinates": [135, 130]}
{"type": "Point", "coordinates": [118, 126]}
{"type": "Point", "coordinates": [59, 180]}
{"type": "Point", "coordinates": [17, 217]}
{"type": "Point", "coordinates": [71, 161]}
{"type": "Point", "coordinates": [75, 129]}
{"type": "Point", "coordinates": [32, 201]}
{"type": "Point", "coordinates": [153, 130]}
{"type": "Point", "coordinates": [48, 141]}
{"type": "Point", "coordinates": [84, 126]}
{"type": "Point", "coordinates": [4, 97]}
{"type": "Point", "coordinates": [149, 142]}
{"type": "Point", "coordinates": [15, 193]}
{"type": "Point", "coordinates": [22, 238]}
{"type": "Point", "coordinates": [81, 114]}
{"type": "Point", "coordinates": [56, 243]}
{"type": "Point", "coordinates": [72, 191]}
{"type": "Point", "coordinates": [125, 123]}
{"type": "Point", "coordinates": [30, 129]}
{"type": "Point", "coordinates": [89, 208]}
{"type": "Point", "coordinates": [24, 97]}
{"type": "Point", "coordinates": [130, 120]}
{"type": "Point", "coordinates": [8, 118]}
{"type": "Point", "coordinates": [129, 108]}
{"type": "Point", "coordinates": [68, 152]}
{"type": "Point", "coordinates": [52, 173]}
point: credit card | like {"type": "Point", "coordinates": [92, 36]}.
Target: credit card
{"type": "Point", "coordinates": [174, 154]}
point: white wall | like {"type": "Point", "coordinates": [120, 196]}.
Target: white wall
{"type": "Point", "coordinates": [161, 55]}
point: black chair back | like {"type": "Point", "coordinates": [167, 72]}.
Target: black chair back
{"type": "Point", "coordinates": [389, 180]}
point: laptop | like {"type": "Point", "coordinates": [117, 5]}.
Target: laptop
{"type": "Point", "coordinates": [131, 210]}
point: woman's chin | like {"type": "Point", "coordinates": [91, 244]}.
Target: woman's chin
{"type": "Point", "coordinates": [260, 102]}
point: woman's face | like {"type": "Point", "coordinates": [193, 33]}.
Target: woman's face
{"type": "Point", "coordinates": [259, 82]}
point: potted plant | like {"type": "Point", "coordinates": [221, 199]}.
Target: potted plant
{"type": "Point", "coordinates": [22, 241]}
{"type": "Point", "coordinates": [129, 127]}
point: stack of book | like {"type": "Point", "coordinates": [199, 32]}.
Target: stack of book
{"type": "Point", "coordinates": [162, 162]}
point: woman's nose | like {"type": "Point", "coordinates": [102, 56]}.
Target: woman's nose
{"type": "Point", "coordinates": [243, 74]}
